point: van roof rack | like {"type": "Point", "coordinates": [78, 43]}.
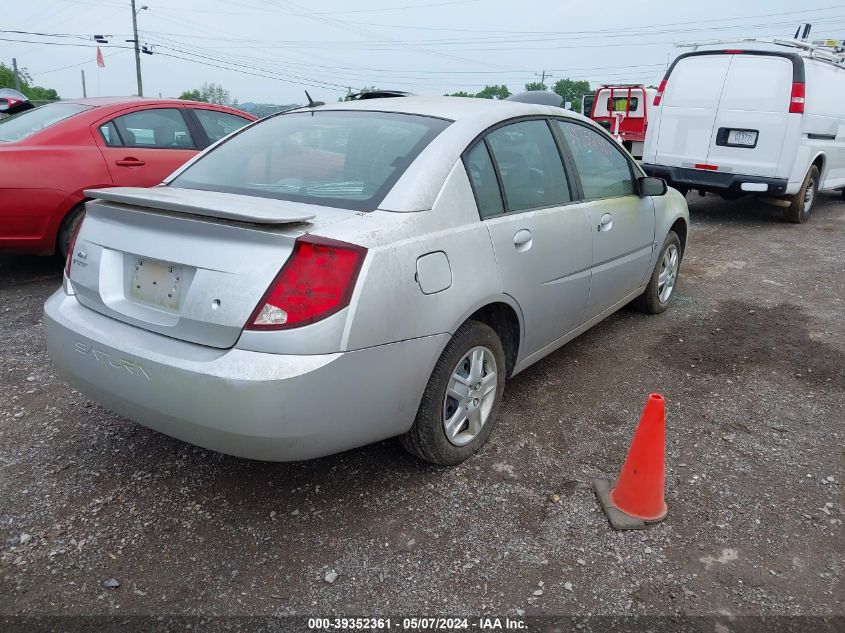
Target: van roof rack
{"type": "Point", "coordinates": [826, 50]}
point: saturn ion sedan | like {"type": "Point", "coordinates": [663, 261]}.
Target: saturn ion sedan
{"type": "Point", "coordinates": [337, 275]}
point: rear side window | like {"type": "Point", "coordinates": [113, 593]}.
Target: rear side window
{"type": "Point", "coordinates": [159, 128]}
{"type": "Point", "coordinates": [604, 170]}
{"type": "Point", "coordinates": [347, 159]}
{"type": "Point", "coordinates": [19, 126]}
{"type": "Point", "coordinates": [530, 165]}
{"type": "Point", "coordinates": [219, 124]}
{"type": "Point", "coordinates": [482, 174]}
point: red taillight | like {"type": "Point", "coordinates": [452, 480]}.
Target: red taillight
{"type": "Point", "coordinates": [734, 51]}
{"type": "Point", "coordinates": [72, 247]}
{"type": "Point", "coordinates": [314, 283]}
{"type": "Point", "coordinates": [796, 99]}
{"type": "Point", "coordinates": [659, 95]}
{"type": "Point", "coordinates": [706, 167]}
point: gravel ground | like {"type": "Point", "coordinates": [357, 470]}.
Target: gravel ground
{"type": "Point", "coordinates": [101, 516]}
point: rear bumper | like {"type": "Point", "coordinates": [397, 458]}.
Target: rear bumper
{"type": "Point", "coordinates": [249, 404]}
{"type": "Point", "coordinates": [716, 181]}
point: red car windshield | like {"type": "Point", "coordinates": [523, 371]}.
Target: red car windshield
{"type": "Point", "coordinates": [19, 126]}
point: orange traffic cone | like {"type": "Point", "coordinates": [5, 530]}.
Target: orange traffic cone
{"type": "Point", "coordinates": [637, 498]}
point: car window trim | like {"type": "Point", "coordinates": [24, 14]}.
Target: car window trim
{"type": "Point", "coordinates": [177, 108]}
{"type": "Point", "coordinates": [483, 137]}
{"type": "Point", "coordinates": [116, 131]}
{"type": "Point", "coordinates": [604, 133]}
{"type": "Point", "coordinates": [191, 111]}
{"type": "Point", "coordinates": [196, 128]}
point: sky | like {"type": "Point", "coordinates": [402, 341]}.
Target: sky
{"type": "Point", "coordinates": [270, 51]}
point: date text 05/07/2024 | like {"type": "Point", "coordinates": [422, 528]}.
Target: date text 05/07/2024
{"type": "Point", "coordinates": [416, 624]}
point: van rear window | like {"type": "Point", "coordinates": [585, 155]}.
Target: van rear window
{"type": "Point", "coordinates": [696, 82]}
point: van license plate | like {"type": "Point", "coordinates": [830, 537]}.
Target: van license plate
{"type": "Point", "coordinates": [158, 283]}
{"type": "Point", "coordinates": [742, 137]}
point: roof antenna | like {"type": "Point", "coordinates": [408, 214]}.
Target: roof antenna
{"type": "Point", "coordinates": [312, 103]}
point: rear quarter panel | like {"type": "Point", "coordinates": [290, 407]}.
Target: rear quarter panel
{"type": "Point", "coordinates": [388, 304]}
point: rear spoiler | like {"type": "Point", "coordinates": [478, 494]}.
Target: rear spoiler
{"type": "Point", "coordinates": [226, 206]}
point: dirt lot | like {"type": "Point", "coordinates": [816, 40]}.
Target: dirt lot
{"type": "Point", "coordinates": [750, 359]}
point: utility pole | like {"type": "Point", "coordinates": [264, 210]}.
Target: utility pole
{"type": "Point", "coordinates": [542, 77]}
{"type": "Point", "coordinates": [137, 46]}
{"type": "Point", "coordinates": [17, 76]}
{"type": "Point", "coordinates": [84, 92]}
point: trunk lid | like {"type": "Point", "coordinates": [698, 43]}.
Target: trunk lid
{"type": "Point", "coordinates": [188, 264]}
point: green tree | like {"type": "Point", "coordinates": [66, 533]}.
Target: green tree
{"type": "Point", "coordinates": [490, 92]}
{"type": "Point", "coordinates": [461, 93]}
{"type": "Point", "coordinates": [192, 95]}
{"type": "Point", "coordinates": [572, 90]}
{"type": "Point", "coordinates": [535, 85]}
{"type": "Point", "coordinates": [208, 93]}
{"type": "Point", "coordinates": [34, 93]}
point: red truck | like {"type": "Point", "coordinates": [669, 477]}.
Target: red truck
{"type": "Point", "coordinates": [623, 109]}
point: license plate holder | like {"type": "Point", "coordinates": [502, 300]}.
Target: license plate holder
{"type": "Point", "coordinates": [157, 283]}
{"type": "Point", "coordinates": [742, 138]}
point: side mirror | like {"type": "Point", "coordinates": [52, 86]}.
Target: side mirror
{"type": "Point", "coordinates": [650, 186]}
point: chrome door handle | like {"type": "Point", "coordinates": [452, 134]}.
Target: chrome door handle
{"type": "Point", "coordinates": [522, 240]}
{"type": "Point", "coordinates": [606, 222]}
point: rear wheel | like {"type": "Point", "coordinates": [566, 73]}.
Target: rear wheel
{"type": "Point", "coordinates": [661, 286]}
{"type": "Point", "coordinates": [802, 202]}
{"type": "Point", "coordinates": [460, 403]}
{"type": "Point", "coordinates": [67, 229]}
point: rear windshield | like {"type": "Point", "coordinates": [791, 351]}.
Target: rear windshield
{"type": "Point", "coordinates": [25, 124]}
{"type": "Point", "coordinates": [333, 158]}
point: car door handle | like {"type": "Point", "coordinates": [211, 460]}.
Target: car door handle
{"type": "Point", "coordinates": [522, 240]}
{"type": "Point", "coordinates": [606, 222]}
{"type": "Point", "coordinates": [129, 162]}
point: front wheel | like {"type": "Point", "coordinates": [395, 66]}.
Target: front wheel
{"type": "Point", "coordinates": [661, 286]}
{"type": "Point", "coordinates": [459, 406]}
{"type": "Point", "coordinates": [801, 206]}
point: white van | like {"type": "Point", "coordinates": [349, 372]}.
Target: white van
{"type": "Point", "coordinates": [769, 122]}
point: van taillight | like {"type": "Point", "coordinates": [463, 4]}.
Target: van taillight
{"type": "Point", "coordinates": [72, 247]}
{"type": "Point", "coordinates": [796, 99]}
{"type": "Point", "coordinates": [659, 95]}
{"type": "Point", "coordinates": [315, 282]}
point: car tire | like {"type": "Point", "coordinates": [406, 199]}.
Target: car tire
{"type": "Point", "coordinates": [655, 299]}
{"type": "Point", "coordinates": [429, 438]}
{"type": "Point", "coordinates": [67, 228]}
{"type": "Point", "coordinates": [803, 202]}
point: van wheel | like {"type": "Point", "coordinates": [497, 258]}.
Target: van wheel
{"type": "Point", "coordinates": [802, 202]}
{"type": "Point", "coordinates": [68, 227]}
{"type": "Point", "coordinates": [460, 403]}
{"type": "Point", "coordinates": [661, 286]}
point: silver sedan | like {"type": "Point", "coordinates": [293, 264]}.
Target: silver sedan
{"type": "Point", "coordinates": [338, 275]}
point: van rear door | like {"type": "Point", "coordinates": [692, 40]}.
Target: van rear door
{"type": "Point", "coordinates": [689, 105]}
{"type": "Point", "coordinates": [751, 120]}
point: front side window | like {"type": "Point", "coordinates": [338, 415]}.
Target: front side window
{"type": "Point", "coordinates": [530, 165]}
{"type": "Point", "coordinates": [347, 159]}
{"type": "Point", "coordinates": [604, 170]}
{"type": "Point", "coordinates": [482, 174]}
{"type": "Point", "coordinates": [158, 128]}
{"type": "Point", "coordinates": [19, 126]}
{"type": "Point", "coordinates": [219, 124]}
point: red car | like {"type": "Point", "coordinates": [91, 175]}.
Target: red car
{"type": "Point", "coordinates": [50, 155]}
